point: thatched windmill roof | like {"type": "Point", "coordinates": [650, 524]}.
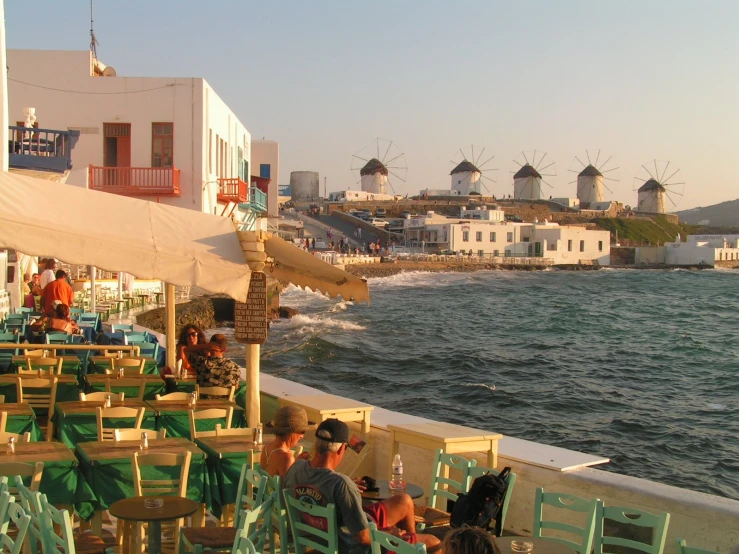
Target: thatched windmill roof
{"type": "Point", "coordinates": [650, 185]}
{"type": "Point", "coordinates": [465, 166]}
{"type": "Point", "coordinates": [590, 171]}
{"type": "Point", "coordinates": [526, 171]}
{"type": "Point", "coordinates": [373, 166]}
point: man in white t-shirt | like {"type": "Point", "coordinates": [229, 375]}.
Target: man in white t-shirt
{"type": "Point", "coordinates": [49, 273]}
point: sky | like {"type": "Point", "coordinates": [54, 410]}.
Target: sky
{"type": "Point", "coordinates": [639, 80]}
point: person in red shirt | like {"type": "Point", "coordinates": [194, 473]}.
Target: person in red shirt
{"type": "Point", "coordinates": [58, 289]}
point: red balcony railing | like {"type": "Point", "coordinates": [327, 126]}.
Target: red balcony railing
{"type": "Point", "coordinates": [232, 190]}
{"type": "Point", "coordinates": [136, 181]}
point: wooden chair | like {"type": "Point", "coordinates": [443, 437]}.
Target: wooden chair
{"type": "Point", "coordinates": [33, 471]}
{"type": "Point", "coordinates": [476, 471]}
{"type": "Point", "coordinates": [307, 537]}
{"type": "Point", "coordinates": [2, 399]}
{"type": "Point", "coordinates": [391, 543]}
{"type": "Point", "coordinates": [237, 432]}
{"type": "Point", "coordinates": [178, 396]}
{"type": "Point", "coordinates": [100, 396]}
{"type": "Point", "coordinates": [27, 390]}
{"type": "Point", "coordinates": [632, 517]}
{"type": "Point", "coordinates": [14, 513]}
{"type": "Point", "coordinates": [131, 366]}
{"type": "Point", "coordinates": [19, 437]}
{"type": "Point", "coordinates": [124, 383]}
{"type": "Point", "coordinates": [3, 419]}
{"type": "Point", "coordinates": [135, 434]}
{"type": "Point", "coordinates": [216, 392]}
{"type": "Point", "coordinates": [64, 539]}
{"type": "Point", "coordinates": [442, 487]}
{"type": "Point", "coordinates": [33, 352]}
{"type": "Point", "coordinates": [107, 434]}
{"type": "Point", "coordinates": [161, 487]}
{"type": "Point", "coordinates": [570, 503]}
{"type": "Point", "coordinates": [49, 366]}
{"type": "Point", "coordinates": [213, 413]}
{"type": "Point", "coordinates": [683, 548]}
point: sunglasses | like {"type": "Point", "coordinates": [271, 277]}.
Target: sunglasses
{"type": "Point", "coordinates": [193, 334]}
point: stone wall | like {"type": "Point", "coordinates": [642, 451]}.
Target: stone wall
{"type": "Point", "coordinates": [199, 311]}
{"type": "Point", "coordinates": [621, 255]}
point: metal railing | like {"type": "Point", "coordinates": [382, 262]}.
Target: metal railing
{"type": "Point", "coordinates": [43, 149]}
{"type": "Point", "coordinates": [136, 181]}
{"type": "Point", "coordinates": [233, 189]}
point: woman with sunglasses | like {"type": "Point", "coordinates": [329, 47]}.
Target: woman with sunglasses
{"type": "Point", "coordinates": [192, 341]}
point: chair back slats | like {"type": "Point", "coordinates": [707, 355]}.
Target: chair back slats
{"type": "Point", "coordinates": [683, 548]}
{"type": "Point", "coordinates": [391, 543]}
{"type": "Point", "coordinates": [570, 503]}
{"type": "Point", "coordinates": [173, 396]}
{"type": "Point", "coordinates": [21, 469]}
{"type": "Point", "coordinates": [135, 434]}
{"type": "Point", "coordinates": [133, 415]}
{"type": "Point", "coordinates": [441, 485]}
{"type": "Point", "coordinates": [51, 516]}
{"type": "Point", "coordinates": [212, 413]}
{"type": "Point", "coordinates": [31, 502]}
{"type": "Point", "coordinates": [216, 392]}
{"type": "Point", "coordinates": [631, 517]}
{"type": "Point", "coordinates": [168, 486]}
{"type": "Point", "coordinates": [17, 515]}
{"type": "Point", "coordinates": [100, 396]}
{"type": "Point", "coordinates": [306, 536]}
{"type": "Point", "coordinates": [113, 383]}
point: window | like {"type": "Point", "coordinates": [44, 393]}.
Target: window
{"type": "Point", "coordinates": [481, 253]}
{"type": "Point", "coordinates": [552, 246]}
{"type": "Point", "coordinates": [265, 171]}
{"type": "Point", "coordinates": [509, 237]}
{"type": "Point", "coordinates": [526, 239]}
{"type": "Point", "coordinates": [492, 237]}
{"type": "Point", "coordinates": [478, 236]}
{"type": "Point", "coordinates": [465, 236]}
{"type": "Point", "coordinates": [569, 246]}
{"type": "Point", "coordinates": [600, 246]}
{"type": "Point", "coordinates": [582, 246]}
{"type": "Point", "coordinates": [496, 253]}
{"type": "Point", "coordinates": [161, 145]}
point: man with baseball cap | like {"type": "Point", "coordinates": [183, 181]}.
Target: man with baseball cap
{"type": "Point", "coordinates": [317, 482]}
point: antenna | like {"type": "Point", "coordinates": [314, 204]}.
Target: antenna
{"type": "Point", "coordinates": [93, 40]}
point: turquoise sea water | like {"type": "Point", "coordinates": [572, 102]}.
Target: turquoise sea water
{"type": "Point", "coordinates": [638, 366]}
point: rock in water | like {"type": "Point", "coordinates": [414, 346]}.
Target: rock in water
{"type": "Point", "coordinates": [287, 313]}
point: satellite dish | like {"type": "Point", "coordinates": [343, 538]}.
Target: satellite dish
{"type": "Point", "coordinates": [109, 72]}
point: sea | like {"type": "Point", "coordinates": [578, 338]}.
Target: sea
{"type": "Point", "coordinates": [639, 366]}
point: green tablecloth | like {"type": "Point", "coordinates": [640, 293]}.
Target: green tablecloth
{"type": "Point", "coordinates": [63, 483]}
{"type": "Point", "coordinates": [25, 424]}
{"type": "Point", "coordinates": [150, 367]}
{"type": "Point", "coordinates": [152, 389]}
{"type": "Point", "coordinates": [239, 396]}
{"type": "Point", "coordinates": [177, 422]}
{"type": "Point", "coordinates": [224, 472]}
{"type": "Point", "coordinates": [72, 429]}
{"type": "Point", "coordinates": [64, 393]}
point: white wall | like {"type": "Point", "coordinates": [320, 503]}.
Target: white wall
{"type": "Point", "coordinates": [651, 201]}
{"type": "Point", "coordinates": [557, 246]}
{"type": "Point", "coordinates": [375, 183]}
{"type": "Point", "coordinates": [590, 188]}
{"type": "Point", "coordinates": [527, 188]}
{"type": "Point", "coordinates": [466, 182]}
{"type": "Point", "coordinates": [268, 152]}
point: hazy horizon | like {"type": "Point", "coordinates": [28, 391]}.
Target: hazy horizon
{"type": "Point", "coordinates": [638, 81]}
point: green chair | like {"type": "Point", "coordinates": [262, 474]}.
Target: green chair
{"type": "Point", "coordinates": [570, 503]}
{"type": "Point", "coordinates": [476, 471]}
{"type": "Point", "coordinates": [58, 338]}
{"type": "Point", "coordinates": [442, 487]}
{"type": "Point", "coordinates": [391, 543]}
{"type": "Point", "coordinates": [279, 513]}
{"type": "Point", "coordinates": [136, 337]}
{"type": "Point", "coordinates": [65, 541]}
{"type": "Point", "coordinates": [31, 503]}
{"type": "Point", "coordinates": [23, 310]}
{"type": "Point", "coordinates": [631, 517]}
{"type": "Point", "coordinates": [14, 513]}
{"type": "Point", "coordinates": [125, 327]}
{"type": "Point", "coordinates": [148, 349]}
{"type": "Point", "coordinates": [6, 356]}
{"type": "Point", "coordinates": [243, 546]}
{"type": "Point", "coordinates": [683, 548]}
{"type": "Point", "coordinates": [87, 319]}
{"type": "Point", "coordinates": [306, 536]}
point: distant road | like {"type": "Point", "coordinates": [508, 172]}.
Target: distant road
{"type": "Point", "coordinates": [339, 228]}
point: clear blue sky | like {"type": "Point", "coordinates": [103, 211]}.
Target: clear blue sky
{"type": "Point", "coordinates": [638, 79]}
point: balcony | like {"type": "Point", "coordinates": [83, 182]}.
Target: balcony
{"type": "Point", "coordinates": [136, 181]}
{"type": "Point", "coordinates": [238, 191]}
{"type": "Point", "coordinates": [41, 149]}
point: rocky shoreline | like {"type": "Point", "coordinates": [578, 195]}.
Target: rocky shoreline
{"type": "Point", "coordinates": [369, 271]}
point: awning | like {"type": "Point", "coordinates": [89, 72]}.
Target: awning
{"type": "Point", "coordinates": [148, 240]}
{"type": "Point", "coordinates": [296, 266]}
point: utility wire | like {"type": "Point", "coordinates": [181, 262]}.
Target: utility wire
{"type": "Point", "coordinates": [88, 92]}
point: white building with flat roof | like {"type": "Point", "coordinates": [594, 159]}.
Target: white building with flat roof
{"type": "Point", "coordinates": [708, 250]}
{"type": "Point", "coordinates": [171, 140]}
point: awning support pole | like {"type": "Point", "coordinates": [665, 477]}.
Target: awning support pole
{"type": "Point", "coordinates": [253, 417]}
{"type": "Point", "coordinates": [170, 327]}
{"type": "Point", "coordinates": [92, 272]}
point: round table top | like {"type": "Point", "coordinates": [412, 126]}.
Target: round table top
{"type": "Point", "coordinates": [133, 509]}
{"type": "Point", "coordinates": [414, 491]}
{"type": "Point", "coordinates": [541, 546]}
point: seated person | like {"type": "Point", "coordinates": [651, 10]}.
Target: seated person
{"type": "Point", "coordinates": [60, 322]}
{"type": "Point", "coordinates": [469, 540]}
{"type": "Point", "coordinates": [289, 426]}
{"type": "Point", "coordinates": [191, 343]}
{"type": "Point", "coordinates": [213, 369]}
{"type": "Point", "coordinates": [317, 482]}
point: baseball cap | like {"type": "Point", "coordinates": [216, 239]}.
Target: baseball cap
{"type": "Point", "coordinates": [333, 430]}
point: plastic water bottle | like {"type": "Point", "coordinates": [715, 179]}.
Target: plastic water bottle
{"type": "Point", "coordinates": [396, 481]}
{"type": "Point", "coordinates": [144, 441]}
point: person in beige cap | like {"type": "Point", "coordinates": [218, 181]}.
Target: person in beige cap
{"type": "Point", "coordinates": [289, 426]}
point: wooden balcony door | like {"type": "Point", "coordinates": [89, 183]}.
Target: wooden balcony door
{"type": "Point", "coordinates": [117, 153]}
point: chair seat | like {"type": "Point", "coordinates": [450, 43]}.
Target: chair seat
{"type": "Point", "coordinates": [211, 537]}
{"type": "Point", "coordinates": [430, 516]}
{"type": "Point", "coordinates": [88, 543]}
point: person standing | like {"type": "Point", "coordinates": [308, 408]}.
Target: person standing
{"type": "Point", "coordinates": [58, 289]}
{"type": "Point", "coordinates": [47, 276]}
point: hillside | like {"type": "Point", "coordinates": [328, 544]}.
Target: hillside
{"type": "Point", "coordinates": [725, 214]}
{"type": "Point", "coordinates": [637, 232]}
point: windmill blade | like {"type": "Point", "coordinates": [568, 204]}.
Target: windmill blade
{"type": "Point", "coordinates": [545, 168]}
{"type": "Point", "coordinates": [541, 161]}
{"type": "Point", "coordinates": [649, 172]}
{"type": "Point", "coordinates": [478, 157]}
{"type": "Point", "coordinates": [605, 163]}
{"type": "Point", "coordinates": [547, 184]}
{"type": "Point", "coordinates": [463, 156]}
{"type": "Point", "coordinates": [396, 175]}
{"type": "Point", "coordinates": [579, 160]}
{"type": "Point", "coordinates": [588, 155]}
{"type": "Point", "coordinates": [607, 188]}
{"type": "Point", "coordinates": [610, 179]}
{"type": "Point", "coordinates": [395, 158]}
{"type": "Point", "coordinates": [671, 176]}
{"type": "Point", "coordinates": [675, 192]}
{"type": "Point", "coordinates": [491, 158]}
{"type": "Point", "coordinates": [656, 171]}
{"type": "Point", "coordinates": [378, 147]}
{"type": "Point", "coordinates": [609, 170]}
{"type": "Point", "coordinates": [359, 157]}
{"type": "Point", "coordinates": [671, 201]}
{"type": "Point", "coordinates": [524, 157]}
{"type": "Point", "coordinates": [663, 172]}
{"type": "Point", "coordinates": [596, 159]}
{"type": "Point", "coordinates": [396, 167]}
{"type": "Point", "coordinates": [488, 178]}
{"type": "Point", "coordinates": [472, 146]}
{"type": "Point", "coordinates": [386, 151]}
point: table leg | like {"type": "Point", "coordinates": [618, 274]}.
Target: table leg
{"type": "Point", "coordinates": [127, 537]}
{"type": "Point", "coordinates": [493, 454]}
{"type": "Point", "coordinates": [366, 423]}
{"type": "Point", "coordinates": [97, 523]}
{"type": "Point", "coordinates": [155, 537]}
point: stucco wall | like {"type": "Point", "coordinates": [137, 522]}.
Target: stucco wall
{"type": "Point", "coordinates": [268, 152]}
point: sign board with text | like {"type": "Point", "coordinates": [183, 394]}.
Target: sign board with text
{"type": "Point", "coordinates": [250, 317]}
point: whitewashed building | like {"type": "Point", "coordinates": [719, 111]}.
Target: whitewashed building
{"type": "Point", "coordinates": [170, 140]}
{"type": "Point", "coordinates": [709, 250]}
{"type": "Point", "coordinates": [466, 178]}
{"type": "Point", "coordinates": [527, 183]}
{"type": "Point", "coordinates": [374, 177]}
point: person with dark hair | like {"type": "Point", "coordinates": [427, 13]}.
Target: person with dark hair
{"type": "Point", "coordinates": [191, 343]}
{"type": "Point", "coordinates": [469, 540]}
{"type": "Point", "coordinates": [58, 289]}
{"type": "Point", "coordinates": [213, 369]}
{"type": "Point", "coordinates": [59, 321]}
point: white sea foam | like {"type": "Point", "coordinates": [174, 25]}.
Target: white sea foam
{"type": "Point", "coordinates": [417, 279]}
{"type": "Point", "coordinates": [311, 324]}
{"type": "Point", "coordinates": [717, 406]}
{"type": "Point", "coordinates": [491, 388]}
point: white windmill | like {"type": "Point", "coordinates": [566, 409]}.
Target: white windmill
{"type": "Point", "coordinates": [591, 178]}
{"type": "Point", "coordinates": [655, 183]}
{"type": "Point", "coordinates": [376, 162]}
{"type": "Point", "coordinates": [468, 174]}
{"type": "Point", "coordinates": [529, 175]}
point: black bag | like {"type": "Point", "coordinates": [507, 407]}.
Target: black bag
{"type": "Point", "coordinates": [482, 503]}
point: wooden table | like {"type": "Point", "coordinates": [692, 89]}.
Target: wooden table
{"type": "Point", "coordinates": [414, 491]}
{"type": "Point", "coordinates": [174, 415]}
{"type": "Point", "coordinates": [75, 422]}
{"type": "Point", "coordinates": [135, 509]}
{"type": "Point", "coordinates": [325, 406]}
{"type": "Point", "coordinates": [452, 439]}
{"type": "Point", "coordinates": [541, 546]}
{"type": "Point", "coordinates": [32, 452]}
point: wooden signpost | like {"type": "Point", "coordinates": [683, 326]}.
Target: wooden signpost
{"type": "Point", "coordinates": [250, 317]}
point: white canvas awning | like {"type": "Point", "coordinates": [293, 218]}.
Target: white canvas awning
{"type": "Point", "coordinates": [148, 240]}
{"type": "Point", "coordinates": [296, 266]}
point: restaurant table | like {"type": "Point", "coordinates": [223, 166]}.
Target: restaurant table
{"type": "Point", "coordinates": [76, 421]}
{"type": "Point", "coordinates": [61, 481]}
{"type": "Point", "coordinates": [188, 385]}
{"type": "Point", "coordinates": [154, 385]}
{"type": "Point", "coordinates": [107, 467]}
{"type": "Point", "coordinates": [541, 546]}
{"type": "Point", "coordinates": [452, 439]}
{"type": "Point", "coordinates": [324, 406]}
{"type": "Point", "coordinates": [414, 491]}
{"type": "Point", "coordinates": [67, 388]}
{"type": "Point", "coordinates": [134, 509]}
{"type": "Point", "coordinates": [174, 415]}
{"type": "Point", "coordinates": [21, 419]}
{"type": "Point", "coordinates": [225, 456]}
{"type": "Point", "coordinates": [99, 364]}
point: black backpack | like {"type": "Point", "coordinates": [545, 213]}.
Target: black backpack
{"type": "Point", "coordinates": [482, 503]}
